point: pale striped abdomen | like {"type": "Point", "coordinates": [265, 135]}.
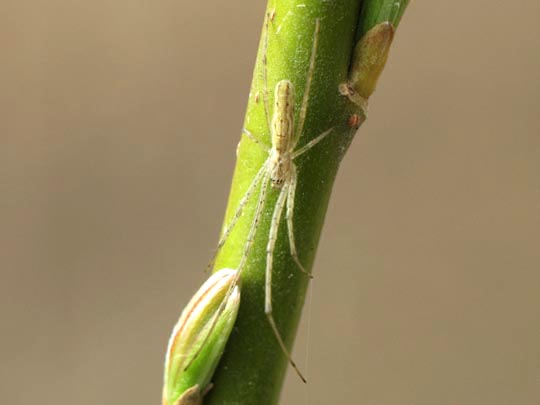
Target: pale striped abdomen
{"type": "Point", "coordinates": [283, 118]}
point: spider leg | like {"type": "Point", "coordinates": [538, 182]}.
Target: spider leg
{"type": "Point", "coordinates": [255, 140]}
{"type": "Point", "coordinates": [290, 213]}
{"type": "Point", "coordinates": [272, 237]}
{"type": "Point", "coordinates": [310, 144]}
{"type": "Point", "coordinates": [269, 17]}
{"type": "Point", "coordinates": [245, 254]}
{"type": "Point", "coordinates": [238, 213]}
{"type": "Point", "coordinates": [256, 219]}
{"type": "Point", "coordinates": [304, 105]}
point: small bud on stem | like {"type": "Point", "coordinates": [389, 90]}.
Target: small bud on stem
{"type": "Point", "coordinates": [369, 59]}
{"type": "Point", "coordinates": [199, 338]}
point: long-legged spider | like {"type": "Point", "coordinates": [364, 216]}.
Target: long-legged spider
{"type": "Point", "coordinates": [278, 171]}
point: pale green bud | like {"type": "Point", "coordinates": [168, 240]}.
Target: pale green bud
{"type": "Point", "coordinates": [199, 338]}
{"type": "Point", "coordinates": [369, 59]}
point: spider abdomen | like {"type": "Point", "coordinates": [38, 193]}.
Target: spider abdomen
{"type": "Point", "coordinates": [283, 118]}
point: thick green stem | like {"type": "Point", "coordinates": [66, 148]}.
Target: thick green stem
{"type": "Point", "coordinates": [253, 366]}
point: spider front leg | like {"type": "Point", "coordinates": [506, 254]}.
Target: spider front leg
{"type": "Point", "coordinates": [256, 219]}
{"type": "Point", "coordinates": [290, 213]}
{"type": "Point", "coordinates": [259, 143]}
{"type": "Point", "coordinates": [272, 238]}
{"type": "Point", "coordinates": [238, 213]}
{"type": "Point", "coordinates": [262, 177]}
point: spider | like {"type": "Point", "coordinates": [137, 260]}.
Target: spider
{"type": "Point", "coordinates": [278, 172]}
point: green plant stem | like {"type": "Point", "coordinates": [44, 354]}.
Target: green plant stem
{"type": "Point", "coordinates": [253, 366]}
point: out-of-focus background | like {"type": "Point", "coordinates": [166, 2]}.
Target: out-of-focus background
{"type": "Point", "coordinates": [118, 127]}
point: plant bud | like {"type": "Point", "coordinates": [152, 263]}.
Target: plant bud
{"type": "Point", "coordinates": [199, 338]}
{"type": "Point", "coordinates": [369, 59]}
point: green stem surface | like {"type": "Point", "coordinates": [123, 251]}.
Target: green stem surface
{"type": "Point", "coordinates": [253, 366]}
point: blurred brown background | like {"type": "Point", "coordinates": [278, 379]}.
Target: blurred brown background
{"type": "Point", "coordinates": [119, 122]}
